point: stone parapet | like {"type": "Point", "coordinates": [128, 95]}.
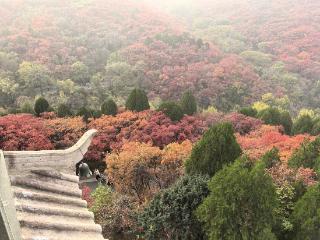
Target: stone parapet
{"type": "Point", "coordinates": [19, 162]}
{"type": "Point", "coordinates": [9, 225]}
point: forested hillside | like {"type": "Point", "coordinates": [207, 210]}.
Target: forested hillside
{"type": "Point", "coordinates": [207, 111]}
{"type": "Point", "coordinates": [228, 54]}
{"type": "Point", "coordinates": [279, 39]}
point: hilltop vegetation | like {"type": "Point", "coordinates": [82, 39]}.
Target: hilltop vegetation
{"type": "Point", "coordinates": [226, 56]}
{"type": "Point", "coordinates": [278, 39]}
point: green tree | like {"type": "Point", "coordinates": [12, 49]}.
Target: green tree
{"type": "Point", "coordinates": [80, 97]}
{"type": "Point", "coordinates": [223, 34]}
{"type": "Point", "coordinates": [316, 127]}
{"type": "Point", "coordinates": [67, 87]}
{"type": "Point", "coordinates": [137, 101]}
{"type": "Point", "coordinates": [9, 61]}
{"type": "Point", "coordinates": [170, 213]}
{"type": "Point", "coordinates": [85, 113]}
{"type": "Point", "coordinates": [230, 98]}
{"type": "Point", "coordinates": [188, 103]}
{"type": "Point", "coordinates": [63, 111]}
{"type": "Point", "coordinates": [248, 111]}
{"type": "Point", "coordinates": [109, 107]}
{"type": "Point", "coordinates": [257, 58]}
{"type": "Point", "coordinates": [286, 122]}
{"type": "Point", "coordinates": [98, 87]}
{"type": "Point", "coordinates": [8, 90]}
{"type": "Point", "coordinates": [3, 112]}
{"type": "Point", "coordinates": [308, 155]}
{"type": "Point", "coordinates": [283, 226]}
{"type": "Point", "coordinates": [101, 197]}
{"type": "Point", "coordinates": [96, 113]}
{"type": "Point", "coordinates": [271, 158]}
{"type": "Point", "coordinates": [217, 147]}
{"type": "Point", "coordinates": [306, 215]}
{"type": "Point", "coordinates": [172, 110]}
{"type": "Point", "coordinates": [34, 78]}
{"type": "Point", "coordinates": [27, 108]}
{"type": "Point", "coordinates": [113, 212]}
{"type": "Point", "coordinates": [80, 73]}
{"type": "Point", "coordinates": [121, 78]}
{"type": "Point", "coordinates": [303, 124]}
{"type": "Point", "coordinates": [282, 103]}
{"type": "Point", "coordinates": [271, 116]}
{"type": "Point", "coordinates": [41, 105]}
{"type": "Point", "coordinates": [241, 203]}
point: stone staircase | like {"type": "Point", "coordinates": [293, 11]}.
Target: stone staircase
{"type": "Point", "coordinates": [49, 206]}
{"type": "Point", "coordinates": [40, 197]}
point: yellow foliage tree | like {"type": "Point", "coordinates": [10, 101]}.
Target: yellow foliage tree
{"type": "Point", "coordinates": [141, 170]}
{"type": "Point", "coordinates": [172, 161]}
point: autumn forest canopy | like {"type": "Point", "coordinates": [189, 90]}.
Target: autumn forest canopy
{"type": "Point", "coordinates": [207, 111]}
{"type": "Point", "coordinates": [228, 53]}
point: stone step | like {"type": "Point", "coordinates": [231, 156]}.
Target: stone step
{"type": "Point", "coordinates": [29, 221]}
{"type": "Point", "coordinates": [51, 176]}
{"type": "Point", "coordinates": [37, 209]}
{"type": "Point", "coordinates": [22, 216]}
{"type": "Point", "coordinates": [45, 205]}
{"type": "Point", "coordinates": [59, 235]}
{"type": "Point", "coordinates": [62, 180]}
{"type": "Point", "coordinates": [34, 196]}
{"type": "Point", "coordinates": [49, 206]}
{"type": "Point", "coordinates": [31, 182]}
{"type": "Point", "coordinates": [56, 174]}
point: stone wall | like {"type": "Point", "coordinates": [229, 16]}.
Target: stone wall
{"type": "Point", "coordinates": [9, 225]}
{"type": "Point", "coordinates": [44, 177]}
{"type": "Point", "coordinates": [60, 160]}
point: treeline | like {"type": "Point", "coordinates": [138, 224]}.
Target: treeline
{"type": "Point", "coordinates": [137, 101]}
{"type": "Point", "coordinates": [274, 111]}
{"type": "Point", "coordinates": [270, 110]}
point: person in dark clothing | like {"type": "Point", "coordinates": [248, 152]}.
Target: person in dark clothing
{"type": "Point", "coordinates": [83, 170]}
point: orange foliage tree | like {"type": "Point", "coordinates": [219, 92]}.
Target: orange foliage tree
{"type": "Point", "coordinates": [173, 157]}
{"type": "Point", "coordinates": [140, 169]}
{"type": "Point", "coordinates": [263, 139]}
{"type": "Point", "coordinates": [64, 132]}
{"type": "Point", "coordinates": [147, 126]}
{"type": "Point", "coordinates": [134, 170]}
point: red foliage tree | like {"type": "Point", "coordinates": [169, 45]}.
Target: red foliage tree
{"type": "Point", "coordinates": [86, 195]}
{"type": "Point", "coordinates": [242, 124]}
{"type": "Point", "coordinates": [263, 139]}
{"type": "Point", "coordinates": [65, 132]}
{"type": "Point", "coordinates": [23, 132]}
{"type": "Point", "coordinates": [147, 126]}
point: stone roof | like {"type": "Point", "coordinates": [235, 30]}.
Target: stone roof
{"type": "Point", "coordinates": [47, 201]}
